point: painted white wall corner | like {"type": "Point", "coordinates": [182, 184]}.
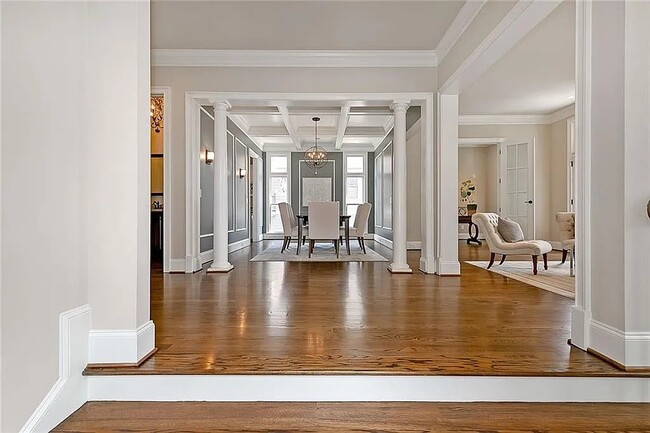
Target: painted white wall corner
{"type": "Point", "coordinates": [70, 391]}
{"type": "Point", "coordinates": [121, 346]}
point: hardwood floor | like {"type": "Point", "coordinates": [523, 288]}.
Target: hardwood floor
{"type": "Point", "coordinates": [366, 417]}
{"type": "Point", "coordinates": [356, 318]}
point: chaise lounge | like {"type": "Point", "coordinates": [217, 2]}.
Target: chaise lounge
{"type": "Point", "coordinates": [487, 224]}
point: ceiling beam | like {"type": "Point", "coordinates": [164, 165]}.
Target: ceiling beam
{"type": "Point", "coordinates": [284, 111]}
{"type": "Point", "coordinates": [344, 117]}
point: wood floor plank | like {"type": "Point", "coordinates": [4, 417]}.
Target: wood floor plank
{"type": "Point", "coordinates": [366, 417]}
{"type": "Point", "coordinates": [356, 318]}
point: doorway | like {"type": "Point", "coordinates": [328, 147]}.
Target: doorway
{"type": "Point", "coordinates": [256, 197]}
{"type": "Point", "coordinates": [517, 181]}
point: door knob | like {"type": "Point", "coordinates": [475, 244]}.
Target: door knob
{"type": "Point", "coordinates": [529, 202]}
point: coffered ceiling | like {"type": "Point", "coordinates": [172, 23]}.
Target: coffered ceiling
{"type": "Point", "coordinates": [348, 125]}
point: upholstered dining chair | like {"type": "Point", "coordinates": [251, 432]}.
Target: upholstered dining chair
{"type": "Point", "coordinates": [567, 223]}
{"type": "Point", "coordinates": [289, 225]}
{"type": "Point", "coordinates": [323, 223]}
{"type": "Point", "coordinates": [487, 225]}
{"type": "Point", "coordinates": [360, 225]}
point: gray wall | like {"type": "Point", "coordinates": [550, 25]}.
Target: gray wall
{"type": "Point", "coordinates": [238, 144]}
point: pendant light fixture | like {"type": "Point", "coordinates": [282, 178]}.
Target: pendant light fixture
{"type": "Point", "coordinates": [315, 156]}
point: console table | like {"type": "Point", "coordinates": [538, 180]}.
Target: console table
{"type": "Point", "coordinates": [472, 229]}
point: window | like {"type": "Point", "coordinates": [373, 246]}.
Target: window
{"type": "Point", "coordinates": [355, 183]}
{"type": "Point", "coordinates": [278, 187]}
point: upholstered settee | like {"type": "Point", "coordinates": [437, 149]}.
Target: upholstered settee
{"type": "Point", "coordinates": [487, 224]}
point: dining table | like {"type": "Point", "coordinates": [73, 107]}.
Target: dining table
{"type": "Point", "coordinates": [344, 220]}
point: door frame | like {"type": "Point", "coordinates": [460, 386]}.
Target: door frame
{"type": "Point", "coordinates": [531, 179]}
{"type": "Point", "coordinates": [166, 93]}
{"type": "Point", "coordinates": [257, 220]}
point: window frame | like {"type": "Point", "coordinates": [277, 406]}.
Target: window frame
{"type": "Point", "coordinates": [347, 175]}
{"type": "Point", "coordinates": [267, 188]}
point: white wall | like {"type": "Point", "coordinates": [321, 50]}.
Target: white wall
{"type": "Point", "coordinates": [479, 164]}
{"type": "Point", "coordinates": [541, 134]}
{"type": "Point", "coordinates": [267, 80]}
{"type": "Point", "coordinates": [74, 179]}
{"type": "Point", "coordinates": [43, 199]}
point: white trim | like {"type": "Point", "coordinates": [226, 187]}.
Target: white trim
{"type": "Point", "coordinates": [517, 119]}
{"type": "Point", "coordinates": [234, 185]}
{"type": "Point", "coordinates": [462, 21]}
{"type": "Point", "coordinates": [235, 246]}
{"type": "Point", "coordinates": [382, 241]}
{"type": "Point", "coordinates": [294, 58]}
{"type": "Point", "coordinates": [448, 267]}
{"type": "Point", "coordinates": [70, 390]}
{"type": "Point", "coordinates": [177, 265]}
{"type": "Point", "coordinates": [320, 388]}
{"type": "Point", "coordinates": [480, 141]}
{"type": "Point", "coordinates": [267, 183]}
{"type": "Point", "coordinates": [631, 349]}
{"type": "Point", "coordinates": [207, 235]}
{"type": "Point", "coordinates": [413, 245]}
{"type": "Point", "coordinates": [123, 346]}
{"type": "Point", "coordinates": [520, 20]}
{"type": "Point", "coordinates": [273, 236]}
{"type": "Point", "coordinates": [581, 314]}
{"type": "Point", "coordinates": [363, 176]}
{"type": "Point", "coordinates": [192, 183]}
{"type": "Point", "coordinates": [206, 256]}
{"type": "Point", "coordinates": [206, 112]}
{"type": "Point", "coordinates": [166, 93]}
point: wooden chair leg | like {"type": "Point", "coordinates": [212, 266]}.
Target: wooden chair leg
{"type": "Point", "coordinates": [503, 259]}
{"type": "Point", "coordinates": [363, 244]}
{"type": "Point", "coordinates": [564, 254]}
{"type": "Point", "coordinates": [304, 238]}
{"type": "Point", "coordinates": [492, 256]}
{"type": "Point", "coordinates": [534, 265]}
{"type": "Point", "coordinates": [545, 257]}
{"type": "Point", "coordinates": [284, 245]}
{"type": "Point", "coordinates": [311, 247]}
{"type": "Point", "coordinates": [338, 247]}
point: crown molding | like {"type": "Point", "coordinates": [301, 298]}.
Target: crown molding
{"type": "Point", "coordinates": [462, 21]}
{"type": "Point", "coordinates": [517, 119]}
{"type": "Point", "coordinates": [295, 58]}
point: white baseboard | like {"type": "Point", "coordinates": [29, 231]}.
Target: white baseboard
{"type": "Point", "coordinates": [273, 236]}
{"type": "Point", "coordinates": [121, 346]}
{"type": "Point", "coordinates": [318, 388]}
{"type": "Point", "coordinates": [383, 241]}
{"type": "Point", "coordinates": [238, 245]}
{"type": "Point", "coordinates": [580, 321]}
{"type": "Point", "coordinates": [192, 264]}
{"type": "Point", "coordinates": [176, 265]}
{"type": "Point", "coordinates": [206, 256]}
{"type": "Point", "coordinates": [428, 265]}
{"type": "Point", "coordinates": [448, 267]}
{"type": "Point", "coordinates": [71, 389]}
{"type": "Point", "coordinates": [631, 349]}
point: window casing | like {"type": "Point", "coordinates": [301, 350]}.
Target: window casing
{"type": "Point", "coordinates": [278, 181]}
{"type": "Point", "coordinates": [355, 182]}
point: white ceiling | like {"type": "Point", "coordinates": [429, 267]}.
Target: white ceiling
{"type": "Point", "coordinates": [301, 25]}
{"type": "Point", "coordinates": [537, 76]}
{"type": "Point", "coordinates": [347, 125]}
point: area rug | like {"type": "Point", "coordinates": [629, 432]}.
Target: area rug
{"type": "Point", "coordinates": [556, 279]}
{"type": "Point", "coordinates": [322, 253]}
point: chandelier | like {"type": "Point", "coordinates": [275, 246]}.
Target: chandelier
{"type": "Point", "coordinates": [315, 156]}
{"type": "Point", "coordinates": [156, 112]}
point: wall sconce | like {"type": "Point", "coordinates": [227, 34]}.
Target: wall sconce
{"type": "Point", "coordinates": [241, 173]}
{"type": "Point", "coordinates": [209, 156]}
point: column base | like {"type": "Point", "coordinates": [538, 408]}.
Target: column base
{"type": "Point", "coordinates": [220, 268]}
{"type": "Point", "coordinates": [394, 268]}
{"type": "Point", "coordinates": [427, 265]}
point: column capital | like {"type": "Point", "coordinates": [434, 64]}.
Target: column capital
{"type": "Point", "coordinates": [221, 104]}
{"type": "Point", "coordinates": [400, 104]}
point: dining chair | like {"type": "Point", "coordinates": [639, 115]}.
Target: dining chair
{"type": "Point", "coordinates": [289, 225]}
{"type": "Point", "coordinates": [358, 229]}
{"type": "Point", "coordinates": [323, 223]}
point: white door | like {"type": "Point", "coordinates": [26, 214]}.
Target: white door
{"type": "Point", "coordinates": [518, 188]}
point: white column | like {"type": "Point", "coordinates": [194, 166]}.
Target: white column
{"type": "Point", "coordinates": [447, 186]}
{"type": "Point", "coordinates": [399, 264]}
{"type": "Point", "coordinates": [220, 228]}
